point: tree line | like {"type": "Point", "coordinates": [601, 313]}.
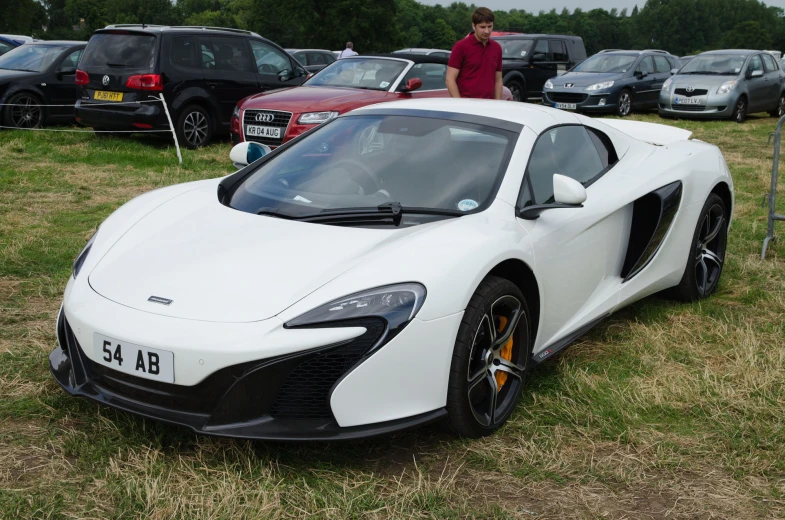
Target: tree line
{"type": "Point", "coordinates": [679, 26]}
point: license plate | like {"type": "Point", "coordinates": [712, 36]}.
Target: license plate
{"type": "Point", "coordinates": [102, 95]}
{"type": "Point", "coordinates": [146, 362]}
{"type": "Point", "coordinates": [688, 101]}
{"type": "Point", "coordinates": [565, 106]}
{"type": "Point", "coordinates": [263, 131]}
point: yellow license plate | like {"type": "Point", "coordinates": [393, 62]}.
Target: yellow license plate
{"type": "Point", "coordinates": [103, 95]}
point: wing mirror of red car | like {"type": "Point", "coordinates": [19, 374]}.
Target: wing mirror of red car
{"type": "Point", "coordinates": [412, 84]}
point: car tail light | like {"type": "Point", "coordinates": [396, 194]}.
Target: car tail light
{"type": "Point", "coordinates": [81, 77]}
{"type": "Point", "coordinates": [142, 125]}
{"type": "Point", "coordinates": [145, 82]}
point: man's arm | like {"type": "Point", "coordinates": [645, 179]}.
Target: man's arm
{"type": "Point", "coordinates": [452, 84]}
{"type": "Point", "coordinates": [497, 90]}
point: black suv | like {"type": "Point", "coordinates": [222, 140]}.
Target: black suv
{"type": "Point", "coordinates": [202, 72]}
{"type": "Point", "coordinates": [529, 60]}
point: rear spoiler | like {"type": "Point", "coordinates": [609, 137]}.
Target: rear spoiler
{"type": "Point", "coordinates": [652, 133]}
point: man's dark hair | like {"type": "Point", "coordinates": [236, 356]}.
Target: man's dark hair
{"type": "Point", "coordinates": [482, 15]}
{"type": "Point", "coordinates": [349, 45]}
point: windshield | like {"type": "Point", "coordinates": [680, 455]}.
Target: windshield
{"type": "Point", "coordinates": [119, 50]}
{"type": "Point", "coordinates": [607, 63]}
{"type": "Point", "coordinates": [716, 64]}
{"type": "Point", "coordinates": [32, 58]}
{"type": "Point", "coordinates": [366, 161]}
{"type": "Point", "coordinates": [515, 49]}
{"type": "Point", "coordinates": [367, 73]}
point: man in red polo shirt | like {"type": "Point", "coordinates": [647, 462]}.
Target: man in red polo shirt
{"type": "Point", "coordinates": [475, 66]}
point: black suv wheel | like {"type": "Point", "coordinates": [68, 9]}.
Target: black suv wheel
{"type": "Point", "coordinates": [194, 127]}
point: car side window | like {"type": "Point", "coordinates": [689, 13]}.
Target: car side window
{"type": "Point", "coordinates": [182, 52]}
{"type": "Point", "coordinates": [768, 63]}
{"type": "Point", "coordinates": [301, 57]}
{"type": "Point", "coordinates": [542, 49]}
{"type": "Point", "coordinates": [316, 58]}
{"type": "Point", "coordinates": [432, 76]}
{"type": "Point", "coordinates": [645, 65]}
{"type": "Point", "coordinates": [662, 64]}
{"type": "Point", "coordinates": [558, 50]}
{"type": "Point", "coordinates": [70, 61]}
{"type": "Point", "coordinates": [755, 64]}
{"type": "Point", "coordinates": [566, 150]}
{"type": "Point", "coordinates": [224, 53]}
{"type": "Point", "coordinates": [269, 60]}
{"type": "Point", "coordinates": [4, 47]}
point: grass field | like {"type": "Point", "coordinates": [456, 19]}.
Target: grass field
{"type": "Point", "coordinates": [663, 411]}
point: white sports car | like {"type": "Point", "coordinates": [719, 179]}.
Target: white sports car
{"type": "Point", "coordinates": [404, 263]}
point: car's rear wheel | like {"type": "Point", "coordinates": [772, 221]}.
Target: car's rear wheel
{"type": "Point", "coordinates": [707, 253]}
{"type": "Point", "coordinates": [491, 359]}
{"type": "Point", "coordinates": [516, 89]}
{"type": "Point", "coordinates": [24, 110]}
{"type": "Point", "coordinates": [779, 110]}
{"type": "Point", "coordinates": [194, 127]}
{"type": "Point", "coordinates": [624, 106]}
{"type": "Point", "coordinates": [740, 110]}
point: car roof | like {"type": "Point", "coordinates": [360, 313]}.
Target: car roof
{"type": "Point", "coordinates": [650, 52]}
{"type": "Point", "coordinates": [530, 36]}
{"type": "Point", "coordinates": [418, 50]}
{"type": "Point", "coordinates": [307, 50]}
{"type": "Point", "coordinates": [416, 58]}
{"type": "Point", "coordinates": [174, 28]}
{"type": "Point", "coordinates": [745, 52]}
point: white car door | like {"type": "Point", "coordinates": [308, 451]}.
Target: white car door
{"type": "Point", "coordinates": [578, 252]}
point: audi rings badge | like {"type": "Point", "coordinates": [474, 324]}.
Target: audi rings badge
{"type": "Point", "coordinates": [264, 118]}
{"type": "Point", "coordinates": [105, 80]}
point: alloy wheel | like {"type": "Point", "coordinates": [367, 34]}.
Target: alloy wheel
{"type": "Point", "coordinates": [741, 108]}
{"type": "Point", "coordinates": [625, 104]}
{"type": "Point", "coordinates": [710, 250]}
{"type": "Point", "coordinates": [495, 374]}
{"type": "Point", "coordinates": [26, 112]}
{"type": "Point", "coordinates": [195, 128]}
{"type": "Point", "coordinates": [781, 107]}
{"type": "Point", "coordinates": [515, 90]}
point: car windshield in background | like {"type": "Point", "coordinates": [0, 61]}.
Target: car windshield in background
{"type": "Point", "coordinates": [607, 63]}
{"type": "Point", "coordinates": [119, 50]}
{"type": "Point", "coordinates": [367, 73]}
{"type": "Point", "coordinates": [515, 49]}
{"type": "Point", "coordinates": [32, 58]}
{"type": "Point", "coordinates": [370, 160]}
{"type": "Point", "coordinates": [715, 64]}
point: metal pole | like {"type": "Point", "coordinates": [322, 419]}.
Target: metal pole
{"type": "Point", "coordinates": [177, 145]}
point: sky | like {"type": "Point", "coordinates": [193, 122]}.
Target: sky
{"type": "Point", "coordinates": [534, 6]}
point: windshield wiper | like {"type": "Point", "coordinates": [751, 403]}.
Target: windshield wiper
{"type": "Point", "coordinates": [389, 210]}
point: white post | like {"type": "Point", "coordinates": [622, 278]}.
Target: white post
{"type": "Point", "coordinates": [171, 125]}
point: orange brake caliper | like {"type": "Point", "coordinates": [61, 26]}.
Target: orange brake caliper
{"type": "Point", "coordinates": [506, 353]}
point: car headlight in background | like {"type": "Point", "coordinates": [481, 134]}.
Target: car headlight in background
{"type": "Point", "coordinates": [396, 304]}
{"type": "Point", "coordinates": [667, 85]}
{"type": "Point", "coordinates": [83, 256]}
{"type": "Point", "coordinates": [315, 118]}
{"type": "Point", "coordinates": [726, 87]}
{"type": "Point", "coordinates": [236, 112]}
{"type": "Point", "coordinates": [548, 84]}
{"type": "Point", "coordinates": [600, 86]}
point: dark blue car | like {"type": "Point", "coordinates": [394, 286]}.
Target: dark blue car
{"type": "Point", "coordinates": [611, 82]}
{"type": "Point", "coordinates": [12, 41]}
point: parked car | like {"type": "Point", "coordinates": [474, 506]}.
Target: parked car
{"type": "Point", "coordinates": [781, 63]}
{"type": "Point", "coordinates": [430, 52]}
{"type": "Point", "coordinates": [37, 74]}
{"type": "Point", "coordinates": [313, 60]}
{"type": "Point", "coordinates": [529, 60]}
{"type": "Point", "coordinates": [276, 117]}
{"type": "Point", "coordinates": [404, 263]}
{"type": "Point", "coordinates": [683, 60]}
{"type": "Point", "coordinates": [777, 54]}
{"type": "Point", "coordinates": [725, 84]}
{"type": "Point", "coordinates": [202, 72]}
{"type": "Point", "coordinates": [611, 81]}
{"type": "Point", "coordinates": [12, 41]}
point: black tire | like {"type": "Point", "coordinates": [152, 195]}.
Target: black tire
{"type": "Point", "coordinates": [24, 110]}
{"type": "Point", "coordinates": [740, 110]}
{"type": "Point", "coordinates": [707, 253]}
{"type": "Point", "coordinates": [194, 127]}
{"type": "Point", "coordinates": [624, 105]}
{"type": "Point", "coordinates": [517, 90]}
{"type": "Point", "coordinates": [482, 391]}
{"type": "Point", "coordinates": [779, 110]}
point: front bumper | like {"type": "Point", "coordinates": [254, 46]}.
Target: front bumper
{"type": "Point", "coordinates": [281, 398]}
{"type": "Point", "coordinates": [595, 102]}
{"type": "Point", "coordinates": [712, 106]}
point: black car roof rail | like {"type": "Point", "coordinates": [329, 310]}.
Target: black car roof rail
{"type": "Point", "coordinates": [203, 27]}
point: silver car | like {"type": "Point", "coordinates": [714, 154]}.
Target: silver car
{"type": "Point", "coordinates": [725, 84]}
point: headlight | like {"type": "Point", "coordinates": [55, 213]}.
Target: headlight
{"type": "Point", "coordinates": [726, 87]}
{"type": "Point", "coordinates": [548, 84]}
{"type": "Point", "coordinates": [83, 256]}
{"type": "Point", "coordinates": [397, 304]}
{"type": "Point", "coordinates": [667, 85]}
{"type": "Point", "coordinates": [600, 86]}
{"type": "Point", "coordinates": [315, 118]}
{"type": "Point", "coordinates": [236, 112]}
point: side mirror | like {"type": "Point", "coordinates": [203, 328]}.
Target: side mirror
{"type": "Point", "coordinates": [538, 57]}
{"type": "Point", "coordinates": [756, 73]}
{"type": "Point", "coordinates": [285, 75]}
{"type": "Point", "coordinates": [299, 73]}
{"type": "Point", "coordinates": [674, 71]}
{"type": "Point", "coordinates": [243, 154]}
{"type": "Point", "coordinates": [412, 84]}
{"type": "Point", "coordinates": [567, 193]}
{"type": "Point", "coordinates": [641, 74]}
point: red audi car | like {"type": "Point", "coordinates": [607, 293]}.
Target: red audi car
{"type": "Point", "coordinates": [276, 116]}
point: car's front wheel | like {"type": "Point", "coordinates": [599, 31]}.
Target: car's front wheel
{"type": "Point", "coordinates": [516, 89]}
{"type": "Point", "coordinates": [624, 106]}
{"type": "Point", "coordinates": [491, 359]}
{"type": "Point", "coordinates": [194, 127]}
{"type": "Point", "coordinates": [779, 110]}
{"type": "Point", "coordinates": [740, 110]}
{"type": "Point", "coordinates": [24, 110]}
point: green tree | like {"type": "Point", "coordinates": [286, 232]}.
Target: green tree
{"type": "Point", "coordinates": [748, 35]}
{"type": "Point", "coordinates": [443, 36]}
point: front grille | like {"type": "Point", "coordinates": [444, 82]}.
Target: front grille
{"type": "Point", "coordinates": [279, 120]}
{"type": "Point", "coordinates": [567, 97]}
{"type": "Point", "coordinates": [689, 108]}
{"type": "Point", "coordinates": [696, 92]}
{"type": "Point", "coordinates": [306, 392]}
